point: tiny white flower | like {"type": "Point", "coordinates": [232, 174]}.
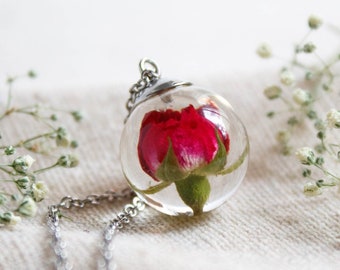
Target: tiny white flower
{"type": "Point", "coordinates": [314, 22]}
{"type": "Point", "coordinates": [305, 155]}
{"type": "Point", "coordinates": [287, 77]}
{"type": "Point", "coordinates": [333, 118]}
{"type": "Point", "coordinates": [28, 207]}
{"type": "Point", "coordinates": [9, 218]}
{"type": "Point", "coordinates": [283, 136]}
{"type": "Point", "coordinates": [301, 97]}
{"type": "Point", "coordinates": [23, 163]}
{"type": "Point", "coordinates": [272, 92]}
{"type": "Point", "coordinates": [39, 190]}
{"type": "Point", "coordinates": [311, 189]}
{"type": "Point", "coordinates": [68, 161]}
{"type": "Point", "coordinates": [23, 182]}
{"type": "Point", "coordinates": [264, 51]}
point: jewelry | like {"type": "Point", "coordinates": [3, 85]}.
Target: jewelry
{"type": "Point", "coordinates": [183, 152]}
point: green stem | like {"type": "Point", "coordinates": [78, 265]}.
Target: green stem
{"type": "Point", "coordinates": [46, 169]}
{"type": "Point", "coordinates": [9, 100]}
{"type": "Point", "coordinates": [326, 172]}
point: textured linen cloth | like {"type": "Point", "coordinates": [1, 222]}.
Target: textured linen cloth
{"type": "Point", "coordinates": [267, 224]}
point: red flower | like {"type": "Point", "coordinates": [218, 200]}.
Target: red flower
{"type": "Point", "coordinates": [174, 144]}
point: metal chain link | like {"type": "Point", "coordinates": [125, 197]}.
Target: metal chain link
{"type": "Point", "coordinates": [124, 217]}
{"type": "Point", "coordinates": [148, 75]}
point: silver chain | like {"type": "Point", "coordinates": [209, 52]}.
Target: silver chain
{"type": "Point", "coordinates": [149, 74]}
{"type": "Point", "coordinates": [124, 217]}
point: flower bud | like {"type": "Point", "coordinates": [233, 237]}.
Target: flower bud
{"type": "Point", "coordinates": [68, 161]}
{"type": "Point", "coordinates": [39, 191]}
{"type": "Point", "coordinates": [23, 182]}
{"type": "Point", "coordinates": [62, 139]}
{"type": "Point", "coordinates": [308, 48]}
{"type": "Point", "coordinates": [314, 22]}
{"type": "Point", "coordinates": [305, 155]}
{"type": "Point", "coordinates": [28, 207]}
{"type": "Point", "coordinates": [8, 218]}
{"type": "Point", "coordinates": [77, 116]}
{"type": "Point", "coordinates": [22, 163]}
{"type": "Point", "coordinates": [311, 189]}
{"type": "Point", "coordinates": [283, 136]}
{"type": "Point", "coordinates": [272, 92]}
{"type": "Point", "coordinates": [333, 118]}
{"type": "Point", "coordinates": [264, 51]}
{"type": "Point", "coordinates": [287, 77]}
{"type": "Point", "coordinates": [9, 150]}
{"type": "Point", "coordinates": [302, 97]}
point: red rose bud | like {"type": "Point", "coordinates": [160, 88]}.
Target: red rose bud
{"type": "Point", "coordinates": [173, 144]}
{"type": "Point", "coordinates": [184, 147]}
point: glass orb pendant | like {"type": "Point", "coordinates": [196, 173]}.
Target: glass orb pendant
{"type": "Point", "coordinates": [183, 149]}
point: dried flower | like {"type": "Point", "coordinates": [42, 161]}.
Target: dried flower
{"type": "Point", "coordinates": [311, 189]}
{"type": "Point", "coordinates": [23, 182]}
{"type": "Point", "coordinates": [264, 51]}
{"type": "Point", "coordinates": [272, 92]}
{"type": "Point", "coordinates": [283, 136]}
{"type": "Point", "coordinates": [8, 218]}
{"type": "Point", "coordinates": [39, 190]}
{"type": "Point", "coordinates": [314, 22]}
{"type": "Point", "coordinates": [308, 48]}
{"type": "Point", "coordinates": [305, 155]}
{"type": "Point", "coordinates": [22, 163]}
{"type": "Point", "coordinates": [287, 77]}
{"type": "Point", "coordinates": [28, 207]}
{"type": "Point", "coordinates": [9, 150]}
{"type": "Point", "coordinates": [333, 118]}
{"type": "Point", "coordinates": [68, 161]}
{"type": "Point", "coordinates": [302, 97]}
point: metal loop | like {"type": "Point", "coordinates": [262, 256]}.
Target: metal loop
{"type": "Point", "coordinates": [147, 64]}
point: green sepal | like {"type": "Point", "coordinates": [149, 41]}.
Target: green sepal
{"type": "Point", "coordinates": [152, 189]}
{"type": "Point", "coordinates": [218, 163]}
{"type": "Point", "coordinates": [194, 191]}
{"type": "Point", "coordinates": [170, 170]}
{"type": "Point", "coordinates": [237, 163]}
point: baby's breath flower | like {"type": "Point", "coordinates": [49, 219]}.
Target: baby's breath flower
{"type": "Point", "coordinates": [9, 150]}
{"type": "Point", "coordinates": [305, 155]}
{"type": "Point", "coordinates": [333, 118]}
{"type": "Point", "coordinates": [68, 161]}
{"type": "Point", "coordinates": [28, 207]}
{"type": "Point", "coordinates": [320, 125]}
{"type": "Point", "coordinates": [314, 22]}
{"type": "Point", "coordinates": [77, 116]}
{"type": "Point", "coordinates": [264, 51]}
{"type": "Point", "coordinates": [63, 139]}
{"type": "Point", "coordinates": [9, 218]}
{"type": "Point", "coordinates": [302, 97]}
{"type": "Point", "coordinates": [272, 92]}
{"type": "Point", "coordinates": [39, 191]}
{"type": "Point", "coordinates": [31, 74]}
{"type": "Point", "coordinates": [23, 182]}
{"type": "Point", "coordinates": [311, 189]}
{"type": "Point", "coordinates": [22, 163]}
{"type": "Point", "coordinates": [287, 77]}
{"type": "Point", "coordinates": [283, 136]}
{"type": "Point", "coordinates": [308, 48]}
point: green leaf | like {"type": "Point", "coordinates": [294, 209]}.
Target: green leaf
{"type": "Point", "coordinates": [194, 191]}
{"type": "Point", "coordinates": [218, 163]}
{"type": "Point", "coordinates": [170, 170]}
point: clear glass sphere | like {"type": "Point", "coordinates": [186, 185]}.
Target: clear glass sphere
{"type": "Point", "coordinates": [184, 150]}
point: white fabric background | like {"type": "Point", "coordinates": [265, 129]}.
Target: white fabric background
{"type": "Point", "coordinates": [86, 54]}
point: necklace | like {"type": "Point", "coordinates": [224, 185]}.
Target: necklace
{"type": "Point", "coordinates": [183, 151]}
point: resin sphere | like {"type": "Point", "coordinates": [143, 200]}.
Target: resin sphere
{"type": "Point", "coordinates": [184, 150]}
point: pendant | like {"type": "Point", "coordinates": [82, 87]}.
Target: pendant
{"type": "Point", "coordinates": [183, 149]}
